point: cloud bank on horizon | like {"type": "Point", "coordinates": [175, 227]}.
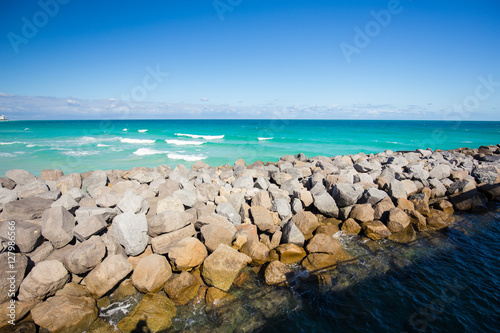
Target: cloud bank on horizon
{"type": "Point", "coordinates": [377, 59]}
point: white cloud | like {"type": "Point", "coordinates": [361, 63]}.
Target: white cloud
{"type": "Point", "coordinates": [204, 99]}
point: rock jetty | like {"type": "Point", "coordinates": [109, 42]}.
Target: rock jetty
{"type": "Point", "coordinates": [185, 234]}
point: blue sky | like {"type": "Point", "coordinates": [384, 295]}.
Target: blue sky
{"type": "Point", "coordinates": [250, 59]}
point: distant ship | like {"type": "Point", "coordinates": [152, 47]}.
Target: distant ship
{"type": "Point", "coordinates": [2, 118]}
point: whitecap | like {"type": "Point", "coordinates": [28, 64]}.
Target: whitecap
{"type": "Point", "coordinates": [102, 145]}
{"type": "Point", "coordinates": [148, 151]}
{"type": "Point", "coordinates": [184, 143]}
{"type": "Point", "coordinates": [7, 155]}
{"type": "Point", "coordinates": [189, 158]}
{"type": "Point", "coordinates": [262, 139]}
{"type": "Point", "coordinates": [12, 143]}
{"type": "Point", "coordinates": [80, 152]}
{"type": "Point", "coordinates": [126, 140]}
{"type": "Point", "coordinates": [88, 139]}
{"type": "Point", "coordinates": [27, 129]}
{"type": "Point", "coordinates": [142, 131]}
{"type": "Point", "coordinates": [205, 137]}
{"type": "Point", "coordinates": [124, 130]}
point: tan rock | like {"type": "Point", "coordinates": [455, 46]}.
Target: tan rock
{"type": "Point", "coordinates": [322, 243]}
{"type": "Point", "coordinates": [405, 205]}
{"type": "Point", "coordinates": [307, 222]}
{"type": "Point", "coordinates": [382, 209]}
{"type": "Point", "coordinates": [375, 230]}
{"type": "Point", "coordinates": [161, 243]}
{"type": "Point", "coordinates": [214, 296]}
{"type": "Point", "coordinates": [21, 309]}
{"type": "Point", "coordinates": [44, 280]}
{"type": "Point", "coordinates": [319, 261]}
{"type": "Point", "coordinates": [107, 274]}
{"type": "Point", "coordinates": [125, 290]}
{"type": "Point", "coordinates": [135, 260]}
{"type": "Point", "coordinates": [65, 314]}
{"type": "Point", "coordinates": [398, 220]}
{"type": "Point", "coordinates": [151, 273]}
{"type": "Point", "coordinates": [186, 253]}
{"type": "Point", "coordinates": [277, 273]}
{"type": "Point", "coordinates": [262, 199]}
{"type": "Point", "coordinates": [262, 218]}
{"type": "Point", "coordinates": [155, 311]}
{"type": "Point", "coordinates": [257, 251]}
{"type": "Point", "coordinates": [329, 229]}
{"type": "Point", "coordinates": [182, 288]}
{"type": "Point", "coordinates": [73, 289]}
{"type": "Point", "coordinates": [417, 220]}
{"type": "Point", "coordinates": [290, 253]}
{"type": "Point", "coordinates": [351, 227]}
{"type": "Point", "coordinates": [445, 206]}
{"type": "Point", "coordinates": [362, 213]}
{"type": "Point", "coordinates": [223, 266]}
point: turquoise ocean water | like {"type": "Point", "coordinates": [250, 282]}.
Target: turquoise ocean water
{"type": "Point", "coordinates": [79, 146]}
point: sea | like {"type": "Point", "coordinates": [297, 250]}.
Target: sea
{"type": "Point", "coordinates": [447, 281]}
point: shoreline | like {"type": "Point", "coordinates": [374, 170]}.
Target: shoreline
{"type": "Point", "coordinates": [185, 235]}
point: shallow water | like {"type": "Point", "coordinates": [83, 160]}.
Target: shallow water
{"type": "Point", "coordinates": [443, 282]}
{"type": "Point", "coordinates": [79, 146]}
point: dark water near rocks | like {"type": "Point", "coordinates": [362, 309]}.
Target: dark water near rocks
{"type": "Point", "coordinates": [444, 282]}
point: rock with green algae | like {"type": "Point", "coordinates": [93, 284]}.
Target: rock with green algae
{"type": "Point", "coordinates": [154, 312]}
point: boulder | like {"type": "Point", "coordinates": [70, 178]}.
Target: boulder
{"type": "Point", "coordinates": [409, 186]}
{"type": "Point", "coordinates": [65, 314]}
{"type": "Point", "coordinates": [58, 226]}
{"type": "Point", "coordinates": [7, 183]}
{"type": "Point", "coordinates": [141, 175]}
{"type": "Point", "coordinates": [292, 234]}
{"type": "Point", "coordinates": [131, 231]}
{"type": "Point", "coordinates": [438, 190]}
{"type": "Point", "coordinates": [44, 280]}
{"type": "Point", "coordinates": [41, 252]}
{"type": "Point", "coordinates": [346, 194]}
{"type": "Point", "coordinates": [282, 207]}
{"type": "Point", "coordinates": [186, 253]}
{"type": "Point", "coordinates": [222, 267]}
{"type": "Point", "coordinates": [182, 288]}
{"type": "Point", "coordinates": [168, 221]}
{"type": "Point", "coordinates": [305, 197]}
{"type": "Point", "coordinates": [382, 209]}
{"type": "Point", "coordinates": [245, 182]}
{"type": "Point", "coordinates": [67, 182]}
{"type": "Point", "coordinates": [25, 209]}
{"type": "Point", "coordinates": [28, 235]}
{"type": "Point", "coordinates": [297, 206]}
{"type": "Point", "coordinates": [407, 235]}
{"type": "Point", "coordinates": [421, 203]}
{"type": "Point", "coordinates": [66, 201]}
{"type": "Point", "coordinates": [262, 218]}
{"type": "Point", "coordinates": [365, 166]}
{"type": "Point", "coordinates": [51, 175]}
{"type": "Point", "coordinates": [307, 222]}
{"type": "Point", "coordinates": [397, 189]}
{"type": "Point", "coordinates": [375, 230]}
{"type": "Point", "coordinates": [10, 279]}
{"type": "Point", "coordinates": [85, 256]}
{"type": "Point", "coordinates": [92, 225]}
{"type": "Point", "coordinates": [134, 203]}
{"type": "Point", "coordinates": [107, 274]}
{"type": "Point", "coordinates": [169, 203]}
{"type": "Point", "coordinates": [217, 233]}
{"type": "Point", "coordinates": [362, 213]}
{"type": "Point", "coordinates": [151, 273]}
{"type": "Point", "coordinates": [187, 197]}
{"type": "Point", "coordinates": [154, 312]}
{"type": "Point", "coordinates": [351, 227]}
{"type": "Point", "coordinates": [290, 253]}
{"type": "Point", "coordinates": [206, 192]}
{"type": "Point", "coordinates": [227, 210]}
{"type": "Point", "coordinates": [32, 189]}
{"type": "Point", "coordinates": [319, 261]}
{"type": "Point", "coordinates": [277, 273]}
{"type": "Point", "coordinates": [7, 196]}
{"type": "Point", "coordinates": [485, 174]}
{"type": "Point", "coordinates": [322, 243]}
{"type": "Point", "coordinates": [325, 204]}
{"type": "Point", "coordinates": [161, 243]}
{"type": "Point", "coordinates": [262, 199]}
{"type": "Point", "coordinates": [372, 196]}
{"type": "Point", "coordinates": [107, 213]}
{"type": "Point", "coordinates": [468, 200]}
{"type": "Point", "coordinates": [20, 177]}
{"type": "Point", "coordinates": [440, 171]}
{"type": "Point", "coordinates": [257, 251]}
{"type": "Point", "coordinates": [398, 220]}
{"type": "Point", "coordinates": [112, 199]}
{"type": "Point", "coordinates": [97, 179]}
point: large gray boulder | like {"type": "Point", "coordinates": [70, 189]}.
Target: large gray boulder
{"type": "Point", "coordinates": [134, 203]}
{"type": "Point", "coordinates": [85, 256]}
{"type": "Point", "coordinates": [20, 177]}
{"type": "Point", "coordinates": [397, 190]}
{"type": "Point", "coordinates": [107, 274]}
{"type": "Point", "coordinates": [44, 280]}
{"type": "Point", "coordinates": [67, 182]}
{"type": "Point", "coordinates": [58, 226]}
{"type": "Point", "coordinates": [67, 201]}
{"type": "Point", "coordinates": [8, 284]}
{"type": "Point", "coordinates": [485, 174]}
{"type": "Point", "coordinates": [417, 171]}
{"type": "Point", "coordinates": [97, 179]}
{"type": "Point", "coordinates": [187, 197]}
{"type": "Point", "coordinates": [325, 204]}
{"type": "Point", "coordinates": [161, 243]}
{"type": "Point", "coordinates": [168, 221]}
{"type": "Point", "coordinates": [227, 210]}
{"type": "Point", "coordinates": [28, 235]}
{"type": "Point", "coordinates": [372, 196]}
{"type": "Point", "coordinates": [292, 234]}
{"type": "Point", "coordinates": [263, 219]}
{"type": "Point", "coordinates": [25, 209]}
{"type": "Point", "coordinates": [107, 213]}
{"type": "Point", "coordinates": [245, 182]}
{"type": "Point", "coordinates": [7, 196]}
{"type": "Point", "coordinates": [346, 194]}
{"type": "Point", "coordinates": [131, 231]}
{"type": "Point", "coordinates": [282, 207]}
{"type": "Point", "coordinates": [32, 189]}
{"type": "Point", "coordinates": [440, 171]}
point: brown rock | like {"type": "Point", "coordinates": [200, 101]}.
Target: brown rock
{"type": "Point", "coordinates": [445, 206]}
{"type": "Point", "coordinates": [362, 213]}
{"type": "Point", "coordinates": [277, 273]}
{"type": "Point", "coordinates": [21, 309]}
{"type": "Point", "coordinates": [161, 243]}
{"type": "Point", "coordinates": [322, 243]}
{"type": "Point", "coordinates": [382, 209]}
{"type": "Point", "coordinates": [290, 253]}
{"type": "Point", "coordinates": [186, 254]}
{"type": "Point", "coordinates": [351, 227]}
{"type": "Point", "coordinates": [262, 218]}
{"type": "Point", "coordinates": [329, 229]}
{"type": "Point", "coordinates": [135, 260]}
{"type": "Point", "coordinates": [406, 235]}
{"type": "Point", "coordinates": [398, 220]}
{"type": "Point", "coordinates": [405, 205]}
{"type": "Point", "coordinates": [319, 261]}
{"type": "Point", "coordinates": [421, 203]}
{"type": "Point", "coordinates": [107, 274]}
{"type": "Point", "coordinates": [214, 296]}
{"type": "Point", "coordinates": [257, 251]}
{"type": "Point", "coordinates": [375, 230]}
{"type": "Point", "coordinates": [418, 221]}
{"type": "Point", "coordinates": [124, 291]}
{"type": "Point", "coordinates": [44, 280]}
{"type": "Point", "coordinates": [307, 222]}
{"type": "Point", "coordinates": [151, 273]}
{"type": "Point", "coordinates": [65, 314]}
{"type": "Point", "coordinates": [182, 288]}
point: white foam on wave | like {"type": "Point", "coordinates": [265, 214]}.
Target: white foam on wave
{"type": "Point", "coordinates": [184, 143]}
{"type": "Point", "coordinates": [263, 139]}
{"type": "Point", "coordinates": [205, 137]}
{"type": "Point", "coordinates": [142, 131]}
{"type": "Point", "coordinates": [127, 140]}
{"type": "Point", "coordinates": [80, 152]}
{"type": "Point", "coordinates": [189, 158]}
{"type": "Point", "coordinates": [12, 143]}
{"type": "Point", "coordinates": [102, 145]}
{"type": "Point", "coordinates": [124, 130]}
{"type": "Point", "coordinates": [148, 151]}
{"type": "Point", "coordinates": [7, 155]}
